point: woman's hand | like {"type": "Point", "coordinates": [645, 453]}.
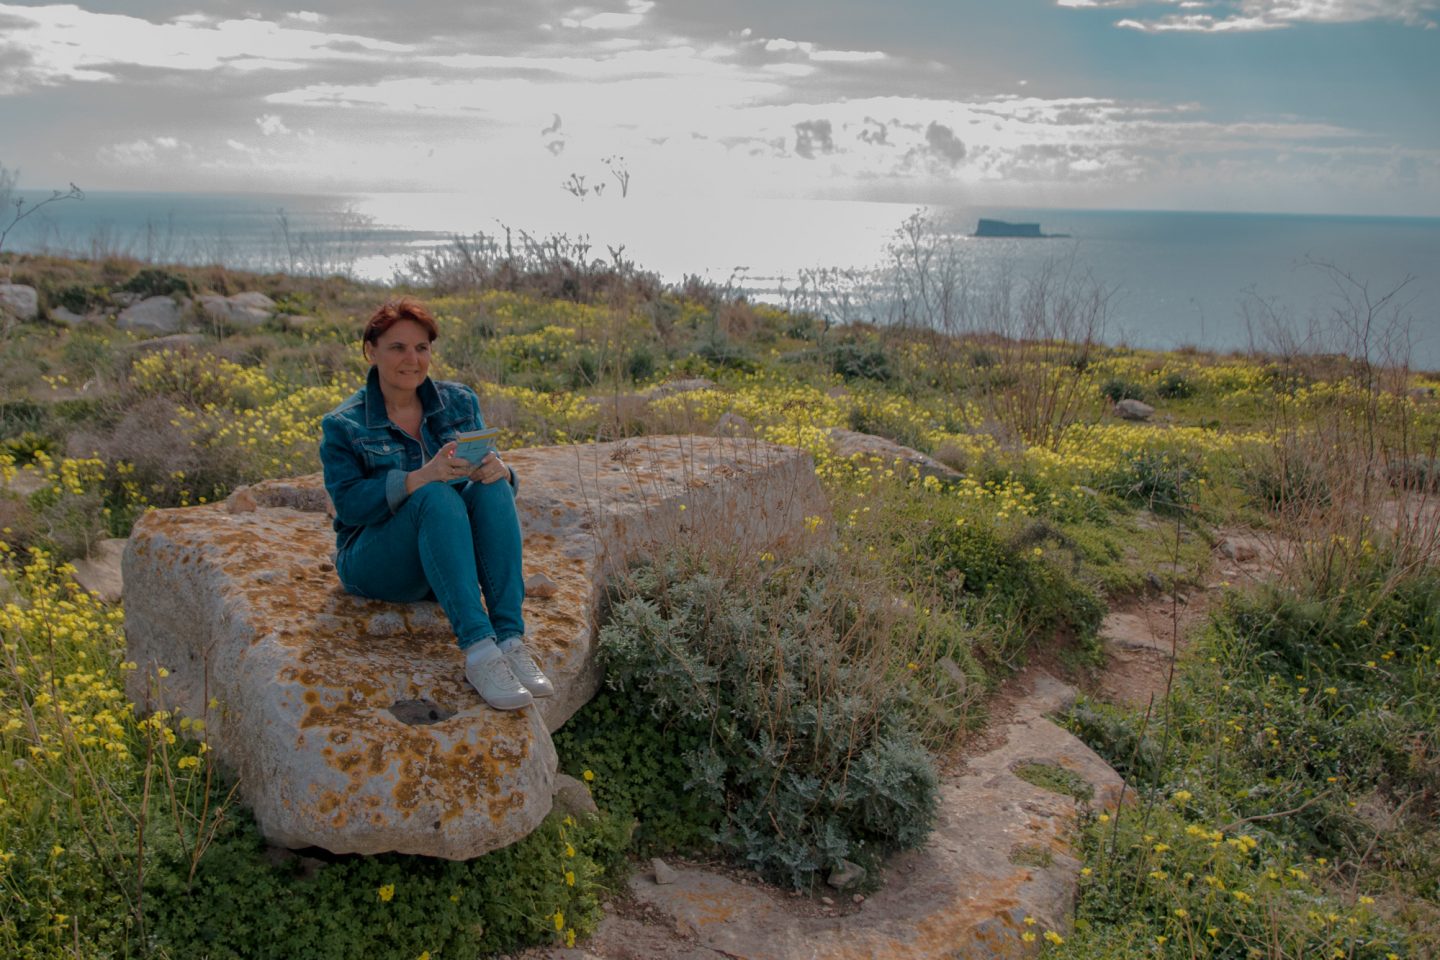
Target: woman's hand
{"type": "Point", "coordinates": [492, 468]}
{"type": "Point", "coordinates": [442, 468]}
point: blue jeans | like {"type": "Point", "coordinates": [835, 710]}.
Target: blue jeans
{"type": "Point", "coordinates": [453, 545]}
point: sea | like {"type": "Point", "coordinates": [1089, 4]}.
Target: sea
{"type": "Point", "coordinates": [1214, 281]}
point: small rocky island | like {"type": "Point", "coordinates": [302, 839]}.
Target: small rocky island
{"type": "Point", "coordinates": [1003, 228]}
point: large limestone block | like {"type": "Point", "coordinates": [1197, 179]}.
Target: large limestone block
{"type": "Point", "coordinates": [849, 444]}
{"type": "Point", "coordinates": [153, 315]}
{"type": "Point", "coordinates": [348, 721]}
{"type": "Point", "coordinates": [242, 311]}
{"type": "Point", "coordinates": [20, 300]}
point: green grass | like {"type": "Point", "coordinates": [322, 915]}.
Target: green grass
{"type": "Point", "coordinates": [1056, 779]}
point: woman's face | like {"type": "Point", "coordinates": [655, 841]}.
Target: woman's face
{"type": "Point", "coordinates": [401, 356]}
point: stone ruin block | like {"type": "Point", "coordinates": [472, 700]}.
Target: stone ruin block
{"type": "Point", "coordinates": [349, 722]}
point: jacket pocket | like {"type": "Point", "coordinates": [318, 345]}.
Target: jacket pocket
{"type": "Point", "coordinates": [381, 454]}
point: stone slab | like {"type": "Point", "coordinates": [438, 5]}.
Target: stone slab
{"type": "Point", "coordinates": [100, 573]}
{"type": "Point", "coordinates": [242, 605]}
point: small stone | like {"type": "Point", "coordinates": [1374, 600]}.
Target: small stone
{"type": "Point", "coordinates": [1132, 409]}
{"type": "Point", "coordinates": [100, 572]}
{"type": "Point", "coordinates": [388, 623]}
{"type": "Point", "coordinates": [845, 874]}
{"type": "Point", "coordinates": [664, 873]}
{"type": "Point", "coordinates": [539, 587]}
{"type": "Point", "coordinates": [827, 901]}
{"type": "Point", "coordinates": [241, 500]}
{"type": "Point", "coordinates": [1239, 552]}
{"type": "Point", "coordinates": [573, 797]}
{"type": "Point", "coordinates": [68, 318]}
{"type": "Point", "coordinates": [20, 300]}
{"type": "Point", "coordinates": [858, 898]}
{"type": "Point", "coordinates": [28, 480]}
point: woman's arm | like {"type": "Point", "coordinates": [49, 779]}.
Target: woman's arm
{"type": "Point", "coordinates": [359, 499]}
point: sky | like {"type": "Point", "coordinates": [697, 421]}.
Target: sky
{"type": "Point", "coordinates": [1297, 106]}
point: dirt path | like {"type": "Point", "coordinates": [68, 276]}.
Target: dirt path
{"type": "Point", "coordinates": [1145, 635]}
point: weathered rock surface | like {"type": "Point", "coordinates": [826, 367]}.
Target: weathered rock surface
{"type": "Point", "coordinates": [573, 797]}
{"type": "Point", "coordinates": [69, 318]}
{"type": "Point", "coordinates": [19, 301]}
{"type": "Point", "coordinates": [242, 311]}
{"type": "Point", "coordinates": [245, 607]}
{"type": "Point", "coordinates": [1132, 409]}
{"type": "Point", "coordinates": [27, 480]}
{"type": "Point", "coordinates": [671, 387]}
{"type": "Point", "coordinates": [965, 894]}
{"type": "Point", "coordinates": [153, 315]}
{"type": "Point", "coordinates": [100, 573]}
{"type": "Point", "coordinates": [848, 443]}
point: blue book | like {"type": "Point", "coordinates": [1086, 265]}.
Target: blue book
{"type": "Point", "coordinates": [475, 445]}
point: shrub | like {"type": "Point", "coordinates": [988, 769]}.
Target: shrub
{"type": "Point", "coordinates": [1116, 389]}
{"type": "Point", "coordinates": [25, 447]}
{"type": "Point", "coordinates": [1415, 473]}
{"type": "Point", "coordinates": [765, 685]}
{"type": "Point", "coordinates": [81, 298]}
{"type": "Point", "coordinates": [725, 355]}
{"type": "Point", "coordinates": [157, 282]}
{"type": "Point", "coordinates": [855, 361]}
{"type": "Point", "coordinates": [1174, 386]}
{"type": "Point", "coordinates": [1283, 480]}
{"type": "Point", "coordinates": [1002, 581]}
{"type": "Point", "coordinates": [1160, 481]}
{"type": "Point", "coordinates": [640, 364]}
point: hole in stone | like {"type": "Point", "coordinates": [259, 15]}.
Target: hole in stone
{"type": "Point", "coordinates": [419, 713]}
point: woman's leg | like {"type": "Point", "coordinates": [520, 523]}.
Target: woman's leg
{"type": "Point", "coordinates": [425, 547]}
{"type": "Point", "coordinates": [495, 533]}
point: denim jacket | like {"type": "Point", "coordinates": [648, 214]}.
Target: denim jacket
{"type": "Point", "coordinates": [366, 457]}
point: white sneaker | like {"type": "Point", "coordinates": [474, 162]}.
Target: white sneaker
{"type": "Point", "coordinates": [527, 672]}
{"type": "Point", "coordinates": [496, 683]}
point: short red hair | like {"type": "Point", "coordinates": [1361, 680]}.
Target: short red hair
{"type": "Point", "coordinates": [392, 312]}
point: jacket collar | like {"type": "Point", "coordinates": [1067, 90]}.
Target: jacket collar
{"type": "Point", "coordinates": [375, 415]}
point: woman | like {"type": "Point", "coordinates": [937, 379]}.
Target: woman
{"type": "Point", "coordinates": [413, 521]}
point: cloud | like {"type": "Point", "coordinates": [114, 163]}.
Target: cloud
{"type": "Point", "coordinates": [812, 134]}
{"type": "Point", "coordinates": [47, 45]}
{"type": "Point", "coordinates": [270, 125]}
{"type": "Point", "coordinates": [811, 52]}
{"type": "Point", "coordinates": [609, 20]}
{"type": "Point", "coordinates": [142, 152]}
{"type": "Point", "coordinates": [1243, 16]}
{"type": "Point", "coordinates": [944, 144]}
